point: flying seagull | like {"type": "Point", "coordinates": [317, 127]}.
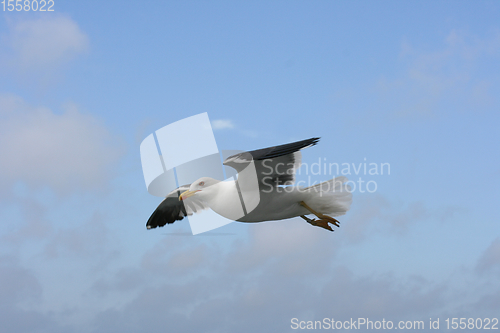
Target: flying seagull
{"type": "Point", "coordinates": [274, 168]}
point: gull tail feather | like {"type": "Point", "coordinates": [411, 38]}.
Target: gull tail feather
{"type": "Point", "coordinates": [332, 197]}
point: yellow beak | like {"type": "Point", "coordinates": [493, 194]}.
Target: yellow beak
{"type": "Point", "coordinates": [187, 194]}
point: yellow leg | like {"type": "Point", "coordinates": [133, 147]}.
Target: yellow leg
{"type": "Point", "coordinates": [323, 219]}
{"type": "Point", "coordinates": [318, 223]}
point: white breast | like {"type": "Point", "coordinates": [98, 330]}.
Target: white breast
{"type": "Point", "coordinates": [225, 200]}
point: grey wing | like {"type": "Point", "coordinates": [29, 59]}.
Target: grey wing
{"type": "Point", "coordinates": [172, 209]}
{"type": "Point", "coordinates": [274, 165]}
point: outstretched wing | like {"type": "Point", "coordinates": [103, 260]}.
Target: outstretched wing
{"type": "Point", "coordinates": [172, 209]}
{"type": "Point", "coordinates": [274, 165]}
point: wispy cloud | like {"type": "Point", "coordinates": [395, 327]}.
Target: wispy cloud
{"type": "Point", "coordinates": [35, 44]}
{"type": "Point", "coordinates": [220, 124]}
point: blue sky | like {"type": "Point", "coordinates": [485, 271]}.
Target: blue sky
{"type": "Point", "coordinates": [412, 84]}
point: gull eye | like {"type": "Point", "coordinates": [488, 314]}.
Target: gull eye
{"type": "Point", "coordinates": [201, 183]}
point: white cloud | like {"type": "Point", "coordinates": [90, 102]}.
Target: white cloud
{"type": "Point", "coordinates": [220, 124]}
{"type": "Point", "coordinates": [45, 42]}
{"type": "Point", "coordinates": [255, 288]}
{"type": "Point", "coordinates": [283, 270]}
{"type": "Point", "coordinates": [40, 147]}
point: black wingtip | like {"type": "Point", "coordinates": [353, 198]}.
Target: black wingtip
{"type": "Point", "coordinates": [285, 149]}
{"type": "Point", "coordinates": [313, 140]}
{"type": "Point", "coordinates": [169, 211]}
